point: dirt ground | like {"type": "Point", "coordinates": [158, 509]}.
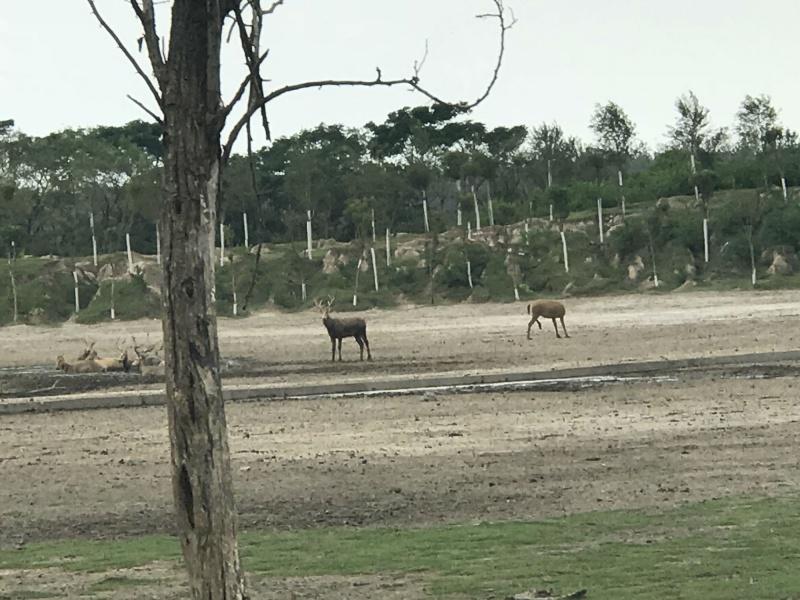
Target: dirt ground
{"type": "Point", "coordinates": [290, 348]}
{"type": "Point", "coordinates": [425, 459]}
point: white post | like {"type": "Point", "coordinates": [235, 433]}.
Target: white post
{"type": "Point", "coordinates": [600, 219]}
{"type": "Point", "coordinates": [355, 288]}
{"type": "Point", "coordinates": [696, 195]}
{"type": "Point", "coordinates": [469, 230]}
{"type": "Point", "coordinates": [753, 278]}
{"type": "Point", "coordinates": [94, 239]}
{"type": "Point", "coordinates": [221, 244]}
{"type": "Point", "coordinates": [516, 293]}
{"type": "Point", "coordinates": [308, 234]}
{"type": "Point", "coordinates": [564, 249]}
{"type": "Point", "coordinates": [691, 161]}
{"type": "Point", "coordinates": [619, 175]}
{"type": "Point", "coordinates": [549, 175]}
{"type": "Point", "coordinates": [785, 191]}
{"type": "Point", "coordinates": [113, 311]}
{"type": "Point", "coordinates": [489, 201]}
{"type": "Point", "coordinates": [373, 226]}
{"type": "Point", "coordinates": [303, 291]}
{"type": "Point", "coordinates": [527, 228]}
{"type": "Point", "coordinates": [425, 210]}
{"type": "Point", "coordinates": [705, 238]}
{"type": "Point", "coordinates": [459, 218]}
{"type": "Point", "coordinates": [233, 287]}
{"type": "Point", "coordinates": [158, 244]}
{"type": "Point", "coordinates": [246, 231]}
{"type": "Point", "coordinates": [551, 212]}
{"type": "Point", "coordinates": [77, 298]}
{"type": "Point", "coordinates": [130, 256]}
{"type": "Point", "coordinates": [655, 276]}
{"type": "Point", "coordinates": [469, 273]}
{"type": "Point", "coordinates": [374, 268]}
{"type": "Point", "coordinates": [388, 250]}
{"type": "Point", "coordinates": [477, 212]}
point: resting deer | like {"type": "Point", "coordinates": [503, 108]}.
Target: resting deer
{"type": "Point", "coordinates": [340, 328]}
{"type": "Point", "coordinates": [89, 362]}
{"type": "Point", "coordinates": [549, 309]}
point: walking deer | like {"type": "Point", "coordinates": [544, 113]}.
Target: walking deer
{"type": "Point", "coordinates": [549, 309]}
{"type": "Point", "coordinates": [343, 327]}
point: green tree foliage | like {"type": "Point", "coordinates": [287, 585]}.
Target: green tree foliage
{"type": "Point", "coordinates": [615, 132]}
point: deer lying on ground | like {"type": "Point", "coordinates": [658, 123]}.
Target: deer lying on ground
{"type": "Point", "coordinates": [339, 328]}
{"type": "Point", "coordinates": [89, 352]}
{"type": "Point", "coordinates": [89, 362]}
{"type": "Point", "coordinates": [147, 358]}
{"type": "Point", "coordinates": [549, 309]}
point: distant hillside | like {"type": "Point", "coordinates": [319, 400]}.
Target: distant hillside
{"type": "Point", "coordinates": [522, 259]}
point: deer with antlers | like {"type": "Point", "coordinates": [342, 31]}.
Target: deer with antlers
{"type": "Point", "coordinates": [89, 362]}
{"type": "Point", "coordinates": [340, 328]}
{"type": "Point", "coordinates": [549, 309]}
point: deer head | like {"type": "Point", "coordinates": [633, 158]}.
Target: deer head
{"type": "Point", "coordinates": [324, 306]}
{"type": "Point", "coordinates": [89, 352]}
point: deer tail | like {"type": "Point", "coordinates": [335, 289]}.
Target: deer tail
{"type": "Point", "coordinates": [529, 309]}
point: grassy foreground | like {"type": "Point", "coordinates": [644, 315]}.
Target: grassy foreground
{"type": "Point", "coordinates": [724, 549]}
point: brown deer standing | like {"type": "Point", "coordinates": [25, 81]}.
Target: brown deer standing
{"type": "Point", "coordinates": [339, 328]}
{"type": "Point", "coordinates": [549, 309]}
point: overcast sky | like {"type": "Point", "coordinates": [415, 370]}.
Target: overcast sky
{"type": "Point", "coordinates": [58, 69]}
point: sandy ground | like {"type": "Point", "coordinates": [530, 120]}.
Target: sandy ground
{"type": "Point", "coordinates": [419, 460]}
{"type": "Point", "coordinates": [288, 348]}
{"type": "Point", "coordinates": [409, 461]}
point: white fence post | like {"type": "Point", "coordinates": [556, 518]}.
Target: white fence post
{"type": "Point", "coordinates": [130, 255]}
{"type": "Point", "coordinates": [158, 244]}
{"type": "Point", "coordinates": [619, 174]}
{"type": "Point", "coordinates": [785, 191]}
{"type": "Point", "coordinates": [477, 211]}
{"type": "Point", "coordinates": [425, 211]}
{"type": "Point", "coordinates": [489, 202]}
{"type": "Point", "coordinates": [388, 250]}
{"type": "Point", "coordinates": [564, 249]}
{"type": "Point", "coordinates": [246, 231]}
{"type": "Point", "coordinates": [705, 238]}
{"type": "Point", "coordinates": [113, 311]}
{"type": "Point", "coordinates": [94, 239]}
{"type": "Point", "coordinates": [600, 219]}
{"type": "Point", "coordinates": [374, 268]}
{"type": "Point", "coordinates": [308, 234]}
{"type": "Point", "coordinates": [374, 239]}
{"type": "Point", "coordinates": [221, 244]}
{"type": "Point", "coordinates": [77, 297]}
{"type": "Point", "coordinates": [355, 287]}
{"type": "Point", "coordinates": [469, 273]}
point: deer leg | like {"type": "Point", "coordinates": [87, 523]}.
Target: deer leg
{"type": "Point", "coordinates": [564, 327]}
{"type": "Point", "coordinates": [532, 321]}
{"type": "Point", "coordinates": [360, 346]}
{"type": "Point", "coordinates": [333, 349]}
{"type": "Point", "coordinates": [340, 349]}
{"type": "Point", "coordinates": [558, 335]}
{"type": "Point", "coordinates": [366, 343]}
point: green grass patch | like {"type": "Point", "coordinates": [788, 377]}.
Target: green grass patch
{"type": "Point", "coordinates": [718, 550]}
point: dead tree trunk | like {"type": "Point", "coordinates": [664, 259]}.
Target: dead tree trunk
{"type": "Point", "coordinates": [201, 476]}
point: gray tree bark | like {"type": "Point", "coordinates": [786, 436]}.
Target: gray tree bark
{"type": "Point", "coordinates": [201, 474]}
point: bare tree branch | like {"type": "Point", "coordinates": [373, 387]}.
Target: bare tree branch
{"type": "Point", "coordinates": [242, 87]}
{"type": "Point", "coordinates": [156, 118]}
{"type": "Point", "coordinates": [127, 54]}
{"type": "Point", "coordinates": [413, 82]}
{"type": "Point", "coordinates": [147, 18]}
{"type": "Point", "coordinates": [250, 47]}
{"type": "Point", "coordinates": [272, 7]}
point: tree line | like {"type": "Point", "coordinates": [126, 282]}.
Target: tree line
{"type": "Point", "coordinates": [463, 171]}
